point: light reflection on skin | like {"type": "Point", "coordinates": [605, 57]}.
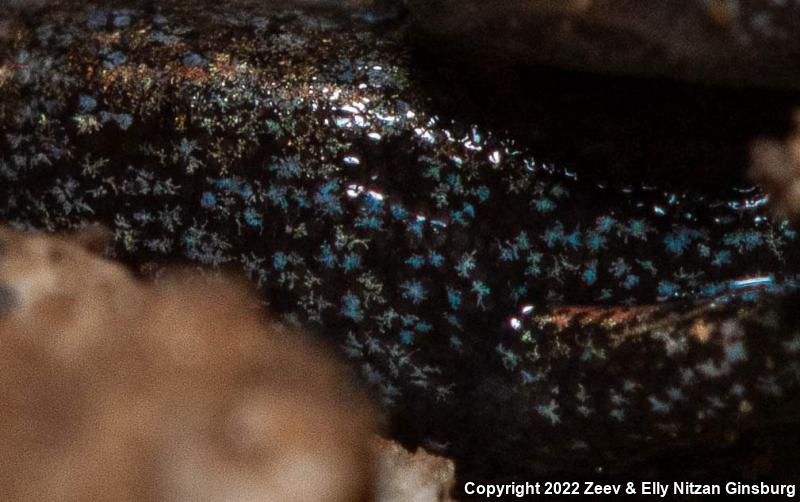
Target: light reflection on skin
{"type": "Point", "coordinates": [408, 266]}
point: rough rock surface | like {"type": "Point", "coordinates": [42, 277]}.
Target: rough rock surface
{"type": "Point", "coordinates": [403, 476]}
{"type": "Point", "coordinates": [114, 389]}
{"type": "Point", "coordinates": [776, 166]}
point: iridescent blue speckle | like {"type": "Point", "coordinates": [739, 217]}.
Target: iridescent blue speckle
{"type": "Point", "coordinates": [469, 282]}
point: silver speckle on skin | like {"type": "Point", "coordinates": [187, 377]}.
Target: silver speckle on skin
{"type": "Point", "coordinates": [420, 245]}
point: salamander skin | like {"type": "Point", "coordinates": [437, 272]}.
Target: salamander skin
{"type": "Point", "coordinates": [440, 256]}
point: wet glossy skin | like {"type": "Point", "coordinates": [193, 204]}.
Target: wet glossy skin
{"type": "Point", "coordinates": [430, 251]}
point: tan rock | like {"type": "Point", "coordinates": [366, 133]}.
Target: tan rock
{"type": "Point", "coordinates": [403, 476]}
{"type": "Point", "coordinates": [775, 165]}
{"type": "Point", "coordinates": [114, 389]}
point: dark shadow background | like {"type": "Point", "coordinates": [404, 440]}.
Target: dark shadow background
{"type": "Point", "coordinates": [626, 130]}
